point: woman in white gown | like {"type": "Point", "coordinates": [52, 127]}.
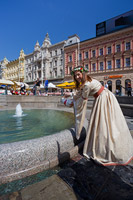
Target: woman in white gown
{"type": "Point", "coordinates": [108, 139]}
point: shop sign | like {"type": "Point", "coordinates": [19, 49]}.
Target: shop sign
{"type": "Point", "coordinates": [115, 76]}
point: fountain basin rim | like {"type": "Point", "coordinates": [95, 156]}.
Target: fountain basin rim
{"type": "Point", "coordinates": [24, 158]}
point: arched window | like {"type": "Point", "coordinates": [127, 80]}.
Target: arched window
{"type": "Point", "coordinates": [102, 83]}
{"type": "Point", "coordinates": [118, 87]}
{"type": "Point", "coordinates": [109, 85]}
{"type": "Point", "coordinates": [126, 84]}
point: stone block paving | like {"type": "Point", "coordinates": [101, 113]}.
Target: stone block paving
{"type": "Point", "coordinates": [81, 179]}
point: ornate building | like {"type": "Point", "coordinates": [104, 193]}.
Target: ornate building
{"type": "Point", "coordinates": [15, 69]}
{"type": "Point", "coordinates": [46, 62]}
{"type": "Point", "coordinates": [108, 58]}
{"type": "Point", "coordinates": [3, 64]}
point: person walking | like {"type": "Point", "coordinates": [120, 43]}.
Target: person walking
{"type": "Point", "coordinates": [108, 139]}
{"type": "Point", "coordinates": [22, 85]}
{"type": "Point", "coordinates": [38, 83]}
{"type": "Point", "coordinates": [129, 89]}
{"type": "Point", "coordinates": [106, 85]}
{"type": "Point", "coordinates": [46, 86]}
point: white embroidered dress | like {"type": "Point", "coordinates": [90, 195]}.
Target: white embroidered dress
{"type": "Point", "coordinates": [108, 140]}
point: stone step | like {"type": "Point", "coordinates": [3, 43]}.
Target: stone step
{"type": "Point", "coordinates": [53, 188]}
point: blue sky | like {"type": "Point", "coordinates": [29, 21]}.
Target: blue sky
{"type": "Point", "coordinates": [23, 22]}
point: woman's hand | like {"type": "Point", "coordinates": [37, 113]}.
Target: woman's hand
{"type": "Point", "coordinates": [66, 96]}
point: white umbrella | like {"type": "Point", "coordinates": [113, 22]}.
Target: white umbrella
{"type": "Point", "coordinates": [41, 86]}
{"type": "Point", "coordinates": [6, 82]}
{"type": "Point", "coordinates": [26, 85]}
{"type": "Point", "coordinates": [51, 85]}
{"type": "Point", "coordinates": [17, 83]}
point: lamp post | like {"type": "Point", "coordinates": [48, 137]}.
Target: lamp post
{"type": "Point", "coordinates": [42, 66]}
{"type": "Point", "coordinates": [19, 71]}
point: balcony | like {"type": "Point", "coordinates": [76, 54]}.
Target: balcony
{"type": "Point", "coordinates": [109, 70]}
{"type": "Point", "coordinates": [128, 67]}
{"type": "Point", "coordinates": [118, 54]}
{"type": "Point", "coordinates": [55, 67]}
{"type": "Point", "coordinates": [109, 55]}
{"type": "Point", "coordinates": [127, 52]}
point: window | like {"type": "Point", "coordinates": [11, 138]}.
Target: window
{"type": "Point", "coordinates": [86, 66]}
{"type": "Point", "coordinates": [80, 56]}
{"type": "Point", "coordinates": [86, 54]}
{"type": "Point", "coordinates": [50, 64]}
{"type": "Point", "coordinates": [51, 53]}
{"type": "Point", "coordinates": [109, 64]}
{"type": "Point", "coordinates": [61, 51]}
{"type": "Point", "coordinates": [55, 73]}
{"type": "Point", "coordinates": [118, 48]}
{"type": "Point", "coordinates": [93, 53]}
{"type": "Point", "coordinates": [127, 62]}
{"type": "Point", "coordinates": [102, 83]}
{"type": "Point", "coordinates": [61, 72]}
{"type": "Point", "coordinates": [101, 52]}
{"type": "Point", "coordinates": [55, 62]}
{"type": "Point", "coordinates": [61, 62]}
{"type": "Point", "coordinates": [70, 69]}
{"type": "Point", "coordinates": [127, 45]}
{"type": "Point", "coordinates": [109, 50]}
{"type": "Point", "coordinates": [94, 67]}
{"type": "Point", "coordinates": [56, 52]}
{"type": "Point", "coordinates": [70, 58]}
{"type": "Point", "coordinates": [118, 63]}
{"type": "Point", "coordinates": [101, 66]}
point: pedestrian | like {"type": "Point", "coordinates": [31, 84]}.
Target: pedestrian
{"type": "Point", "coordinates": [34, 88]}
{"type": "Point", "coordinates": [38, 83]}
{"type": "Point", "coordinates": [129, 89]}
{"type": "Point", "coordinates": [22, 85]}
{"type": "Point", "coordinates": [46, 86]}
{"type": "Point", "coordinates": [106, 85]}
{"type": "Point", "coordinates": [108, 139]}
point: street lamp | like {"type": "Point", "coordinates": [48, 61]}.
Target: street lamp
{"type": "Point", "coordinates": [42, 67]}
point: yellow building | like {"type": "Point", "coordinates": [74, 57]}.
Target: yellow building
{"type": "Point", "coordinates": [15, 69]}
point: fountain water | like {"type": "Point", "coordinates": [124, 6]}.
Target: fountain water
{"type": "Point", "coordinates": [19, 110]}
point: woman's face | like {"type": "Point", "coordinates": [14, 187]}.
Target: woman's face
{"type": "Point", "coordinates": [78, 76]}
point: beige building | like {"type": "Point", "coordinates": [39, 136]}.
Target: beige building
{"type": "Point", "coordinates": [46, 62]}
{"type": "Point", "coordinates": [15, 69]}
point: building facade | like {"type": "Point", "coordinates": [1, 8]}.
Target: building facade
{"type": "Point", "coordinates": [108, 58]}
{"type": "Point", "coordinates": [15, 69]}
{"type": "Point", "coordinates": [3, 64]}
{"type": "Point", "coordinates": [45, 62]}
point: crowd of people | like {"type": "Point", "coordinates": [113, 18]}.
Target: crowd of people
{"type": "Point", "coordinates": [38, 89]}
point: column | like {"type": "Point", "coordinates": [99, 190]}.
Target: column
{"type": "Point", "coordinates": [123, 46]}
{"type": "Point", "coordinates": [113, 63]}
{"type": "Point", "coordinates": [42, 66]}
{"type": "Point", "coordinates": [132, 54]}
{"type": "Point", "coordinates": [97, 52]}
{"type": "Point", "coordinates": [104, 50]}
{"type": "Point", "coordinates": [73, 57]}
{"type": "Point", "coordinates": [97, 65]}
{"type": "Point", "coordinates": [105, 64]}
{"type": "Point", "coordinates": [66, 65]}
{"type": "Point", "coordinates": [113, 48]}
{"type": "Point", "coordinates": [122, 62]}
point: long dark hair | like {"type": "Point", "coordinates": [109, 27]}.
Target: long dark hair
{"type": "Point", "coordinates": [85, 78]}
